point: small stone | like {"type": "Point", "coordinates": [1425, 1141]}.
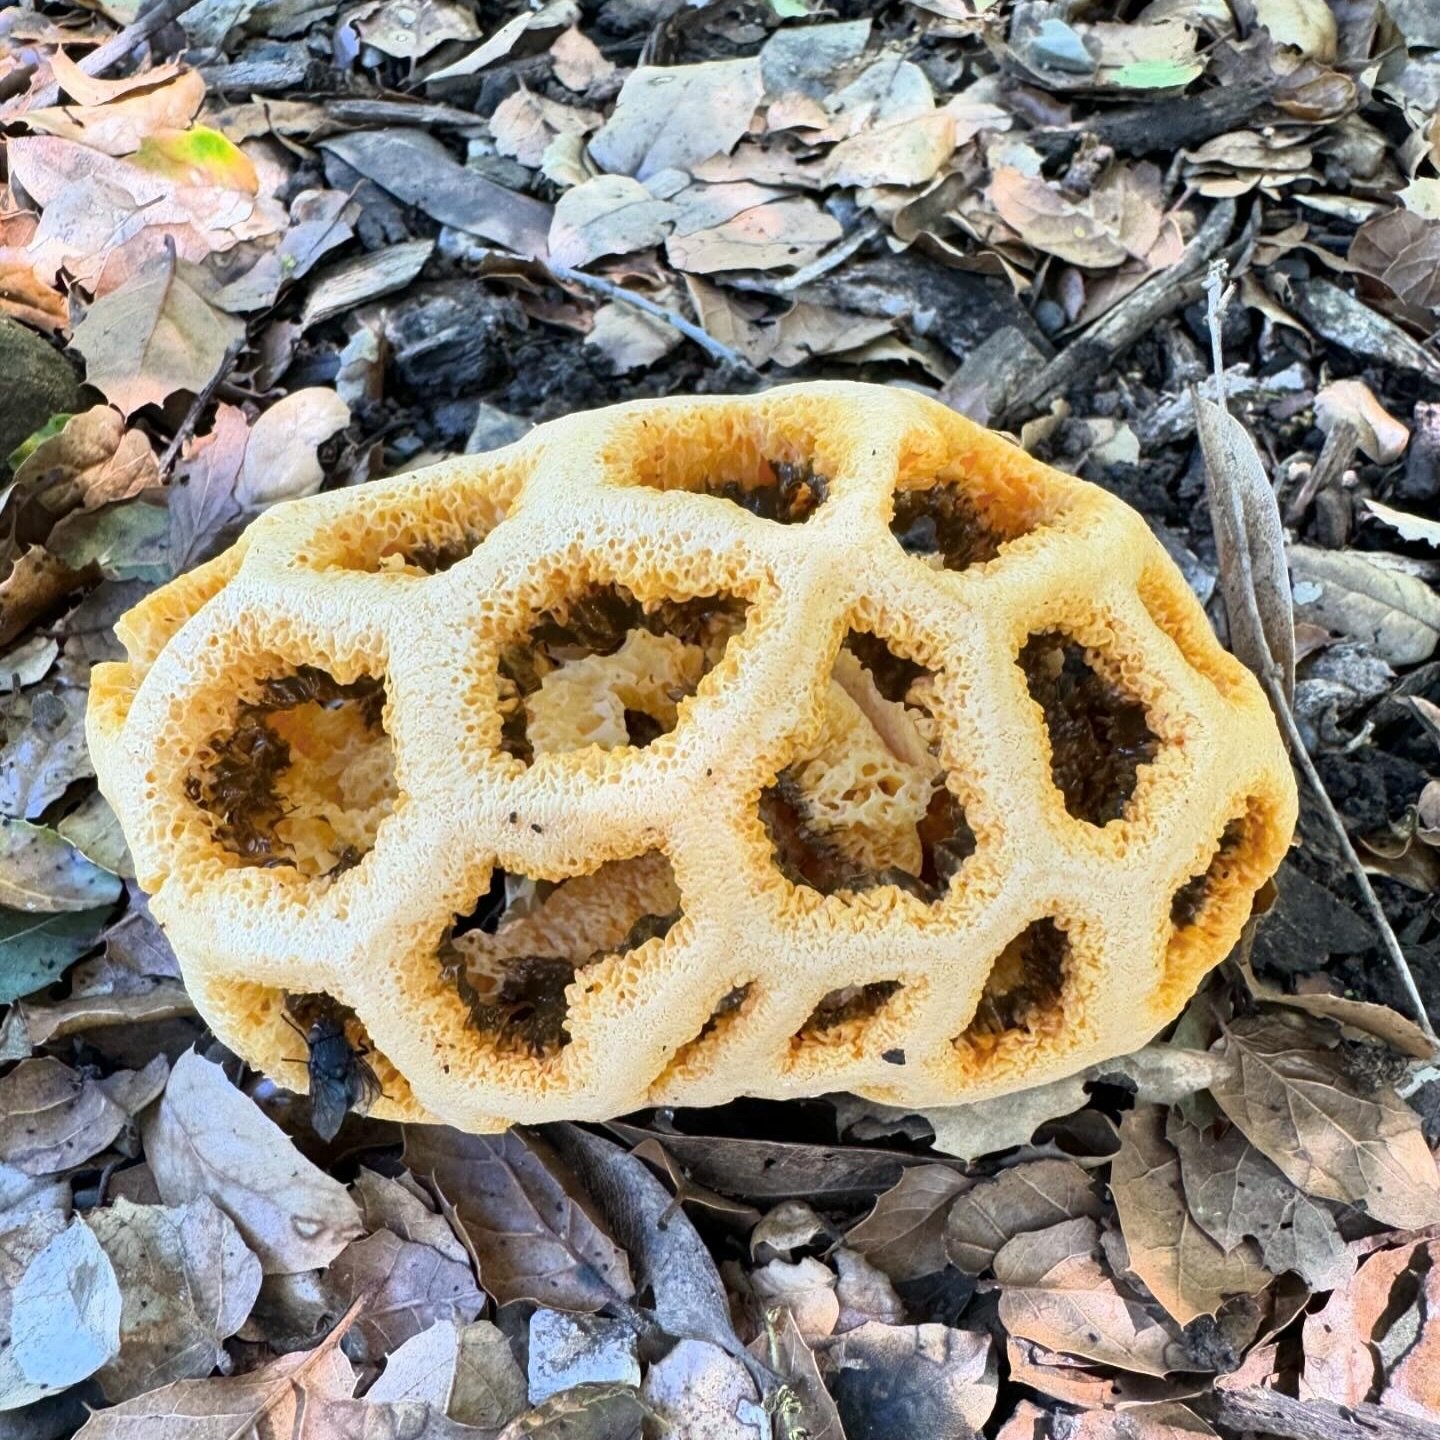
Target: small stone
{"type": "Point", "coordinates": [494, 428]}
{"type": "Point", "coordinates": [38, 382]}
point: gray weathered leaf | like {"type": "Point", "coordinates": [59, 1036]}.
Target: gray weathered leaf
{"type": "Point", "coordinates": [189, 1283]}
{"type": "Point", "coordinates": [53, 1118]}
{"type": "Point", "coordinates": [914, 1380]}
{"type": "Point", "coordinates": [805, 1404]}
{"type": "Point", "coordinates": [40, 871]}
{"type": "Point", "coordinates": [1250, 539]}
{"type": "Point", "coordinates": [66, 1319]}
{"type": "Point", "coordinates": [570, 1350]}
{"type": "Point", "coordinates": [206, 1138]}
{"type": "Point", "coordinates": [706, 1394]}
{"type": "Point", "coordinates": [1398, 615]}
{"type": "Point", "coordinates": [467, 1372]}
{"type": "Point", "coordinates": [44, 749]}
{"type": "Point", "coordinates": [94, 830]}
{"type": "Point", "coordinates": [669, 1256]}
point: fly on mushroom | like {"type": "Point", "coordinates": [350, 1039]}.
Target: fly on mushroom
{"type": "Point", "coordinates": [341, 1079]}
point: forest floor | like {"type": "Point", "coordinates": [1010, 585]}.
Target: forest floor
{"type": "Point", "coordinates": [252, 249]}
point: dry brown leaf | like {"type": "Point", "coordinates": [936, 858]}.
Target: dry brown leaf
{"type": "Point", "coordinates": [467, 1372]}
{"type": "Point", "coordinates": [524, 124]}
{"type": "Point", "coordinates": [1296, 1102]}
{"type": "Point", "coordinates": [205, 1138]}
{"type": "Point", "coordinates": [1395, 614]}
{"type": "Point", "coordinates": [594, 1412]}
{"type": "Point", "coordinates": [122, 126]}
{"type": "Point", "coordinates": [806, 1288]}
{"type": "Point", "coordinates": [94, 90]}
{"type": "Point", "coordinates": [1339, 1338]}
{"type": "Point", "coordinates": [53, 1119]}
{"type": "Point", "coordinates": [1307, 25]}
{"type": "Point", "coordinates": [1055, 1293]}
{"type": "Point", "coordinates": [908, 153]}
{"type": "Point", "coordinates": [1183, 1267]}
{"type": "Point", "coordinates": [1413, 1386]}
{"type": "Point", "coordinates": [864, 1292]}
{"type": "Point", "coordinates": [1119, 219]}
{"type": "Point", "coordinates": [905, 1232]}
{"type": "Point", "coordinates": [673, 117]}
{"type": "Point", "coordinates": [578, 62]}
{"type": "Point", "coordinates": [1233, 1192]}
{"type": "Point", "coordinates": [916, 1380]}
{"type": "Point", "coordinates": [807, 330]}
{"type": "Point", "coordinates": [95, 205]}
{"type": "Point", "coordinates": [405, 1285]}
{"type": "Point", "coordinates": [284, 1400]}
{"type": "Point", "coordinates": [1381, 436]}
{"type": "Point", "coordinates": [188, 1284]}
{"type": "Point", "coordinates": [1031, 1196]}
{"type": "Point", "coordinates": [806, 1406]}
{"type": "Point", "coordinates": [791, 231]}
{"type": "Point", "coordinates": [93, 461]}
{"type": "Point", "coordinates": [411, 29]}
{"type": "Point", "coordinates": [1410, 527]}
{"type": "Point", "coordinates": [705, 1394]}
{"type": "Point", "coordinates": [631, 339]}
{"type": "Point", "coordinates": [24, 296]}
{"type": "Point", "coordinates": [280, 460]}
{"type": "Point", "coordinates": [536, 1234]}
{"type": "Point", "coordinates": [1402, 249]}
{"type": "Point", "coordinates": [609, 215]}
{"type": "Point", "coordinates": [37, 582]}
{"type": "Point", "coordinates": [152, 337]}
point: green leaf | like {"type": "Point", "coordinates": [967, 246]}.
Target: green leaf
{"type": "Point", "coordinates": [129, 541]}
{"type": "Point", "coordinates": [1154, 74]}
{"type": "Point", "coordinates": [42, 871]}
{"type": "Point", "coordinates": [26, 448]}
{"type": "Point", "coordinates": [37, 949]}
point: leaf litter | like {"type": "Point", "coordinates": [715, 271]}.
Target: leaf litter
{"type": "Point", "coordinates": [485, 217]}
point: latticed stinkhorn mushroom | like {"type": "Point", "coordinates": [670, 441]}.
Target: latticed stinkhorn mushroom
{"type": "Point", "coordinates": [816, 740]}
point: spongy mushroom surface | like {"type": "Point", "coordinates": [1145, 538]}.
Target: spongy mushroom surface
{"type": "Point", "coordinates": [810, 741]}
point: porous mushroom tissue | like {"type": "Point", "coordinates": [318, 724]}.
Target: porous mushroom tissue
{"type": "Point", "coordinates": [809, 741]}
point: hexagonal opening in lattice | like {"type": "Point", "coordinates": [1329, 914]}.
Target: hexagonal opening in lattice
{"type": "Point", "coordinates": [869, 803]}
{"type": "Point", "coordinates": [1024, 991]}
{"type": "Point", "coordinates": [528, 950]}
{"type": "Point", "coordinates": [302, 775]}
{"type": "Point", "coordinates": [400, 527]}
{"type": "Point", "coordinates": [1099, 735]}
{"type": "Point", "coordinates": [776, 470]}
{"type": "Point", "coordinates": [601, 668]}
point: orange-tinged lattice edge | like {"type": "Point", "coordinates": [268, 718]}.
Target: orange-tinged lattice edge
{"type": "Point", "coordinates": [608, 498]}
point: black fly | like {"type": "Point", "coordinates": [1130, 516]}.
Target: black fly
{"type": "Point", "coordinates": [340, 1077]}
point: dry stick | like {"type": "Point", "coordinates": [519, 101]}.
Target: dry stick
{"type": "Point", "coordinates": [837, 254]}
{"type": "Point", "coordinates": [117, 47]}
{"type": "Point", "coordinates": [1267, 1412]}
{"type": "Point", "coordinates": [1272, 678]}
{"type": "Point", "coordinates": [197, 407]}
{"type": "Point", "coordinates": [687, 328]}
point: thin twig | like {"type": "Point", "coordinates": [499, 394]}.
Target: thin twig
{"type": "Point", "coordinates": [687, 328]}
{"type": "Point", "coordinates": [197, 408]}
{"type": "Point", "coordinates": [1273, 679]}
{"type": "Point", "coordinates": [117, 47]}
{"type": "Point", "coordinates": [837, 254]}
